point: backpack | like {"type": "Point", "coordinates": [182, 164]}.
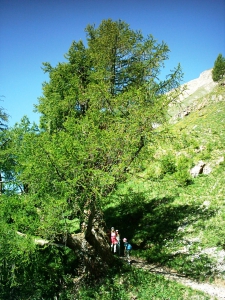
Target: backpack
{"type": "Point", "coordinates": [129, 247]}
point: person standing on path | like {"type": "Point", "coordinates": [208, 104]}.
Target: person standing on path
{"type": "Point", "coordinates": [113, 240]}
{"type": "Point", "coordinates": [127, 249]}
{"type": "Point", "coordinates": [118, 241]}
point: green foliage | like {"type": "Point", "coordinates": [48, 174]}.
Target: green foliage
{"type": "Point", "coordinates": [197, 266]}
{"type": "Point", "coordinates": [35, 274]}
{"type": "Point", "coordinates": [219, 68]}
{"type": "Point", "coordinates": [96, 141]}
{"type": "Point", "coordinates": [3, 119]}
{"type": "Point", "coordinates": [96, 114]}
{"type": "Point", "coordinates": [168, 164]}
{"type": "Point", "coordinates": [171, 211]}
{"type": "Point", "coordinates": [182, 175]}
{"type": "Point", "coordinates": [27, 270]}
{"type": "Point", "coordinates": [135, 283]}
{"type": "Point", "coordinates": [117, 74]}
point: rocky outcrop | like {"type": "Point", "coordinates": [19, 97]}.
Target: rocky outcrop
{"type": "Point", "coordinates": [203, 82]}
{"type": "Point", "coordinates": [196, 89]}
{"type": "Point", "coordinates": [205, 168]}
{"type": "Point", "coordinates": [198, 169]}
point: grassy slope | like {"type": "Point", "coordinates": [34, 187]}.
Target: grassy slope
{"type": "Point", "coordinates": [171, 220]}
{"type": "Point", "coordinates": [169, 217]}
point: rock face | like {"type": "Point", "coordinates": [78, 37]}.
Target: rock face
{"type": "Point", "coordinates": [203, 168]}
{"type": "Point", "coordinates": [198, 169]}
{"type": "Point", "coordinates": [195, 89]}
{"type": "Point", "coordinates": [203, 82]}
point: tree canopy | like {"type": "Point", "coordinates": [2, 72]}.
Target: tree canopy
{"type": "Point", "coordinates": [3, 142]}
{"type": "Point", "coordinates": [3, 118]}
{"type": "Point", "coordinates": [219, 68]}
{"type": "Point", "coordinates": [98, 111]}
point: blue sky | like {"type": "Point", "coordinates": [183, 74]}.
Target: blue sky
{"type": "Point", "coordinates": [36, 31]}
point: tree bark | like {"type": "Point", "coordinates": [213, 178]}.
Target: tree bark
{"type": "Point", "coordinates": [92, 245]}
{"type": "Point", "coordinates": [0, 183]}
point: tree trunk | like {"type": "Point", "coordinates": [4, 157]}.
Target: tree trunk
{"type": "Point", "coordinates": [92, 245]}
{"type": "Point", "coordinates": [0, 183]}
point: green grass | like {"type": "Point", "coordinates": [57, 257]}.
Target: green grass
{"type": "Point", "coordinates": [133, 283]}
{"type": "Point", "coordinates": [163, 211]}
{"type": "Point", "coordinates": [200, 97]}
{"type": "Point", "coordinates": [169, 217]}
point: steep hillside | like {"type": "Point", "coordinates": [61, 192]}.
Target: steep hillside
{"type": "Point", "coordinates": [201, 85]}
{"type": "Point", "coordinates": [193, 97]}
{"type": "Point", "coordinates": [172, 216]}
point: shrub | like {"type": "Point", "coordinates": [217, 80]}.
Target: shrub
{"type": "Point", "coordinates": [182, 175]}
{"type": "Point", "coordinates": [168, 164]}
{"type": "Point", "coordinates": [219, 68]}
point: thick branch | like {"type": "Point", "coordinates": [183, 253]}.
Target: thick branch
{"type": "Point", "coordinates": [90, 246]}
{"type": "Point", "coordinates": [135, 155]}
{"type": "Point", "coordinates": [39, 241]}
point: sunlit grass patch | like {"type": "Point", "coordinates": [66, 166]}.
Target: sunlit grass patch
{"type": "Point", "coordinates": [133, 283]}
{"type": "Point", "coordinates": [163, 211]}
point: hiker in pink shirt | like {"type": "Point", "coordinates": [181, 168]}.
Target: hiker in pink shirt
{"type": "Point", "coordinates": [113, 240]}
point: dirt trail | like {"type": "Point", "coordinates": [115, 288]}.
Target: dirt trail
{"type": "Point", "coordinates": [213, 290]}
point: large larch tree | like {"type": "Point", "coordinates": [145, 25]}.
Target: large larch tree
{"type": "Point", "coordinates": [98, 111]}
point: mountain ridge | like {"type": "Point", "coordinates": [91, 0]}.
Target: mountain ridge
{"type": "Point", "coordinates": [204, 83]}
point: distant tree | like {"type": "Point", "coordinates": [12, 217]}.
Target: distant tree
{"type": "Point", "coordinates": [218, 71]}
{"type": "Point", "coordinates": [98, 112]}
{"type": "Point", "coordinates": [3, 141]}
{"type": "Point", "coordinates": [3, 119]}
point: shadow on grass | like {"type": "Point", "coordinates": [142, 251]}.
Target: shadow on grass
{"type": "Point", "coordinates": [144, 222]}
{"type": "Point", "coordinates": [149, 225]}
{"type": "Point", "coordinates": [155, 221]}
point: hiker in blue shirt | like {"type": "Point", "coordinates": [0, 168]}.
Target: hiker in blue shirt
{"type": "Point", "coordinates": [127, 249]}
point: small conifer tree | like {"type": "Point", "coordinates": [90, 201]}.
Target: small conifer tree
{"type": "Point", "coordinates": [219, 68]}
